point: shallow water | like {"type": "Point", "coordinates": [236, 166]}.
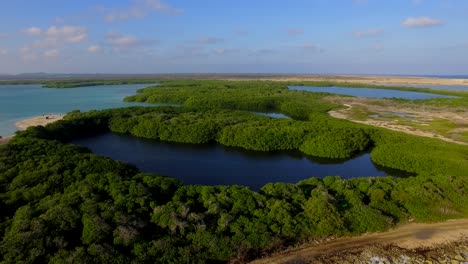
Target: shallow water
{"type": "Point", "coordinates": [273, 115]}
{"type": "Point", "coordinates": [18, 102]}
{"type": "Point", "coordinates": [214, 164]}
{"type": "Point", "coordinates": [369, 92]}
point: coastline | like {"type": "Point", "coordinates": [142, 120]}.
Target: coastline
{"type": "Point", "coordinates": [38, 121]}
{"type": "Point", "coordinates": [34, 121]}
{"type": "Point", "coordinates": [365, 79]}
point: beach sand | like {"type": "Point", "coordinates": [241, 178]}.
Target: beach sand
{"type": "Point", "coordinates": [35, 121]}
{"type": "Point", "coordinates": [38, 121]}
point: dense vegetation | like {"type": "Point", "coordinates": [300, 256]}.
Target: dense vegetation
{"type": "Point", "coordinates": [268, 96]}
{"type": "Point", "coordinates": [61, 203]}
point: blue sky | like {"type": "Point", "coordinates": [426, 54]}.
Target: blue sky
{"type": "Point", "coordinates": [219, 36]}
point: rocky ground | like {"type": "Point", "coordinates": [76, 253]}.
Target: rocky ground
{"type": "Point", "coordinates": [452, 253]}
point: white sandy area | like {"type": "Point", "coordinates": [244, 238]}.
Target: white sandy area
{"type": "Point", "coordinates": [35, 121]}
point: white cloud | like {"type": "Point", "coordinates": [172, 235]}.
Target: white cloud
{"type": "Point", "coordinates": [3, 52]}
{"type": "Point", "coordinates": [368, 33]}
{"type": "Point", "coordinates": [33, 31]}
{"type": "Point", "coordinates": [118, 40]}
{"type": "Point", "coordinates": [209, 40]}
{"type": "Point", "coordinates": [54, 37]}
{"type": "Point", "coordinates": [421, 22]}
{"type": "Point", "coordinates": [94, 49]}
{"type": "Point", "coordinates": [140, 9]}
{"type": "Point", "coordinates": [223, 51]}
{"type": "Point", "coordinates": [295, 31]}
{"type": "Point", "coordinates": [69, 34]}
{"type": "Point", "coordinates": [51, 53]}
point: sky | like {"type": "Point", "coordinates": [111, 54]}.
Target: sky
{"type": "Point", "coordinates": [411, 37]}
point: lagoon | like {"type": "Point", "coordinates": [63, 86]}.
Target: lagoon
{"type": "Point", "coordinates": [369, 92]}
{"type": "Point", "coordinates": [18, 102]}
{"type": "Point", "coordinates": [214, 164]}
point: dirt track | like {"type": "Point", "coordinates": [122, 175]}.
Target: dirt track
{"type": "Point", "coordinates": [409, 236]}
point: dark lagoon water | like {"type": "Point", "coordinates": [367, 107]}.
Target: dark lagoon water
{"type": "Point", "coordinates": [369, 92]}
{"type": "Point", "coordinates": [215, 164]}
{"type": "Point", "coordinates": [18, 102]}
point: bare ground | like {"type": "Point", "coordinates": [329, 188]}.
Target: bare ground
{"type": "Point", "coordinates": [405, 117]}
{"type": "Point", "coordinates": [377, 80]}
{"type": "Point", "coordinates": [407, 238]}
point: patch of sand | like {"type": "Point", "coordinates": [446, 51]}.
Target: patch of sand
{"type": "Point", "coordinates": [377, 80]}
{"type": "Point", "coordinates": [35, 121]}
{"type": "Point", "coordinates": [5, 140]}
{"type": "Point", "coordinates": [411, 236]}
{"type": "Point", "coordinates": [38, 121]}
{"type": "Point", "coordinates": [419, 116]}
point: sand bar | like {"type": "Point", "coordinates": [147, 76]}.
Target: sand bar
{"type": "Point", "coordinates": [35, 121]}
{"type": "Point", "coordinates": [38, 121]}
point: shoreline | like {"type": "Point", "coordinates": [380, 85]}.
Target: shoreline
{"type": "Point", "coordinates": [38, 121]}
{"type": "Point", "coordinates": [364, 79]}
{"type": "Point", "coordinates": [34, 121]}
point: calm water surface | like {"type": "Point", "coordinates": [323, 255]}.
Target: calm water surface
{"type": "Point", "coordinates": [215, 164]}
{"type": "Point", "coordinates": [18, 102]}
{"type": "Point", "coordinates": [369, 92]}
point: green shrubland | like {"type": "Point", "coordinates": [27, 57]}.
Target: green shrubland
{"type": "Point", "coordinates": [61, 203]}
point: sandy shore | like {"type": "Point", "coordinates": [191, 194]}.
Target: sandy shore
{"type": "Point", "coordinates": [35, 121]}
{"type": "Point", "coordinates": [5, 140]}
{"type": "Point", "coordinates": [38, 121]}
{"type": "Point", "coordinates": [370, 79]}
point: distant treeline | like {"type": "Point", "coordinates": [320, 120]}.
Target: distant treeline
{"type": "Point", "coordinates": [75, 84]}
{"type": "Point", "coordinates": [80, 83]}
{"type": "Point", "coordinates": [269, 96]}
{"type": "Point", "coordinates": [61, 203]}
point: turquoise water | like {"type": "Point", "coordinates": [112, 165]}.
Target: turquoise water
{"type": "Point", "coordinates": [369, 92]}
{"type": "Point", "coordinates": [18, 102]}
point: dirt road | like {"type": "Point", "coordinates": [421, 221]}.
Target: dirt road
{"type": "Point", "coordinates": [409, 236]}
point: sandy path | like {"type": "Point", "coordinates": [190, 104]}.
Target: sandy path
{"type": "Point", "coordinates": [38, 121]}
{"type": "Point", "coordinates": [409, 236]}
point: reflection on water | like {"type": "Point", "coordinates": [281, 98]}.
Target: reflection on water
{"type": "Point", "coordinates": [214, 164]}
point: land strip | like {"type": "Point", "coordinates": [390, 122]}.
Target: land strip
{"type": "Point", "coordinates": [445, 123]}
{"type": "Point", "coordinates": [35, 121]}
{"type": "Point", "coordinates": [410, 237]}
